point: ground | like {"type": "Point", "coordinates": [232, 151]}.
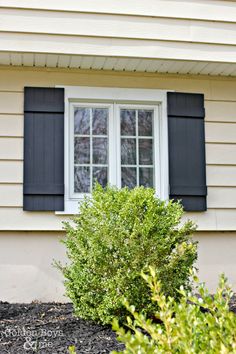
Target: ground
{"type": "Point", "coordinates": [51, 328]}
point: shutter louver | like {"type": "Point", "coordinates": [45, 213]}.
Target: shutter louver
{"type": "Point", "coordinates": [186, 135]}
{"type": "Point", "coordinates": [43, 149]}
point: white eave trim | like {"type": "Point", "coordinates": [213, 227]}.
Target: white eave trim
{"type": "Point", "coordinates": [127, 64]}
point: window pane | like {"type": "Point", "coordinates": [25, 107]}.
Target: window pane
{"type": "Point", "coordinates": [146, 177]}
{"type": "Point", "coordinates": [128, 177]}
{"type": "Point", "coordinates": [128, 151]}
{"type": "Point", "coordinates": [145, 152]}
{"type": "Point", "coordinates": [82, 121]}
{"type": "Point", "coordinates": [81, 179]}
{"type": "Point", "coordinates": [82, 150]}
{"type": "Point", "coordinates": [100, 175]}
{"type": "Point", "coordinates": [100, 118]}
{"type": "Point", "coordinates": [127, 120]}
{"type": "Point", "coordinates": [145, 119]}
{"type": "Point", "coordinates": [100, 151]}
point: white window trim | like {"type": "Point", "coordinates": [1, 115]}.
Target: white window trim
{"type": "Point", "coordinates": [119, 96]}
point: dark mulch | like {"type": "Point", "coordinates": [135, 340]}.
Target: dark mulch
{"type": "Point", "coordinates": [51, 328]}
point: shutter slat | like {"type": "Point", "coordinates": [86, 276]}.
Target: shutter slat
{"type": "Point", "coordinates": [43, 203]}
{"type": "Point", "coordinates": [187, 165]}
{"type": "Point", "coordinates": [44, 189]}
{"type": "Point", "coordinates": [44, 99]}
{"type": "Point", "coordinates": [186, 105]}
{"type": "Point", "coordinates": [44, 149]}
{"type": "Point", "coordinates": [189, 190]}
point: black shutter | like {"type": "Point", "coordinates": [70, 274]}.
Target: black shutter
{"type": "Point", "coordinates": [43, 149]}
{"type": "Point", "coordinates": [187, 165]}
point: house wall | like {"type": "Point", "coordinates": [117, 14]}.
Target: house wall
{"type": "Point", "coordinates": [27, 271]}
{"type": "Point", "coordinates": [29, 240]}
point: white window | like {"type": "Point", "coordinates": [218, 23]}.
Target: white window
{"type": "Point", "coordinates": [115, 136]}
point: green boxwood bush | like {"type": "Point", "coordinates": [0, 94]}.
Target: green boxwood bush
{"type": "Point", "coordinates": [116, 234]}
{"type": "Point", "coordinates": [194, 325]}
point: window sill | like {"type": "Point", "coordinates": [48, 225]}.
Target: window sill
{"type": "Point", "coordinates": [72, 207]}
{"type": "Point", "coordinates": [65, 212]}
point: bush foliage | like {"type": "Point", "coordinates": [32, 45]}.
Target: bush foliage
{"type": "Point", "coordinates": [116, 234]}
{"type": "Point", "coordinates": [194, 325]}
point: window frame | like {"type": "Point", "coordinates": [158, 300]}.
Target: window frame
{"type": "Point", "coordinates": [117, 96]}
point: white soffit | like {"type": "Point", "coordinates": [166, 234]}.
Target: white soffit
{"type": "Point", "coordinates": [117, 64]}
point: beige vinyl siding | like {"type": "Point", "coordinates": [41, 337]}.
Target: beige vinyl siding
{"type": "Point", "coordinates": [221, 175]}
{"type": "Point", "coordinates": [11, 171]}
{"type": "Point", "coordinates": [221, 111]}
{"type": "Point", "coordinates": [220, 197]}
{"type": "Point", "coordinates": [116, 26]}
{"type": "Point", "coordinates": [221, 154]}
{"type": "Point", "coordinates": [220, 132]}
{"type": "Point", "coordinates": [117, 47]}
{"type": "Point", "coordinates": [11, 148]}
{"type": "Point", "coordinates": [191, 9]}
{"type": "Point", "coordinates": [11, 195]}
{"type": "Point", "coordinates": [14, 218]}
{"type": "Point", "coordinates": [220, 140]}
{"type": "Point", "coordinates": [11, 125]}
{"type": "Point", "coordinates": [11, 102]}
{"type": "Point", "coordinates": [175, 30]}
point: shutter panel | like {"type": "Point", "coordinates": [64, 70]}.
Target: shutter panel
{"type": "Point", "coordinates": [43, 149]}
{"type": "Point", "coordinates": [187, 165]}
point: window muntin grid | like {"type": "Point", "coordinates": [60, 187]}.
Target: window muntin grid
{"type": "Point", "coordinates": [137, 147]}
{"type": "Point", "coordinates": [91, 147]}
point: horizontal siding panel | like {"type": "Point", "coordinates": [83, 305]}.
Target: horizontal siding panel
{"type": "Point", "coordinates": [220, 132]}
{"type": "Point", "coordinates": [11, 102]}
{"type": "Point", "coordinates": [19, 220]}
{"type": "Point", "coordinates": [221, 175]}
{"type": "Point", "coordinates": [219, 110]}
{"type": "Point", "coordinates": [211, 220]}
{"type": "Point", "coordinates": [118, 47]}
{"type": "Point", "coordinates": [207, 10]}
{"type": "Point", "coordinates": [221, 197]}
{"type": "Point", "coordinates": [11, 125]}
{"type": "Point", "coordinates": [11, 171]}
{"type": "Point", "coordinates": [218, 197]}
{"type": "Point", "coordinates": [11, 149]}
{"type": "Point", "coordinates": [16, 79]}
{"type": "Point", "coordinates": [226, 220]}
{"type": "Point", "coordinates": [11, 195]}
{"type": "Point", "coordinates": [220, 154]}
{"type": "Point", "coordinates": [81, 24]}
{"type": "Point", "coordinates": [226, 94]}
{"type": "Point", "coordinates": [214, 219]}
